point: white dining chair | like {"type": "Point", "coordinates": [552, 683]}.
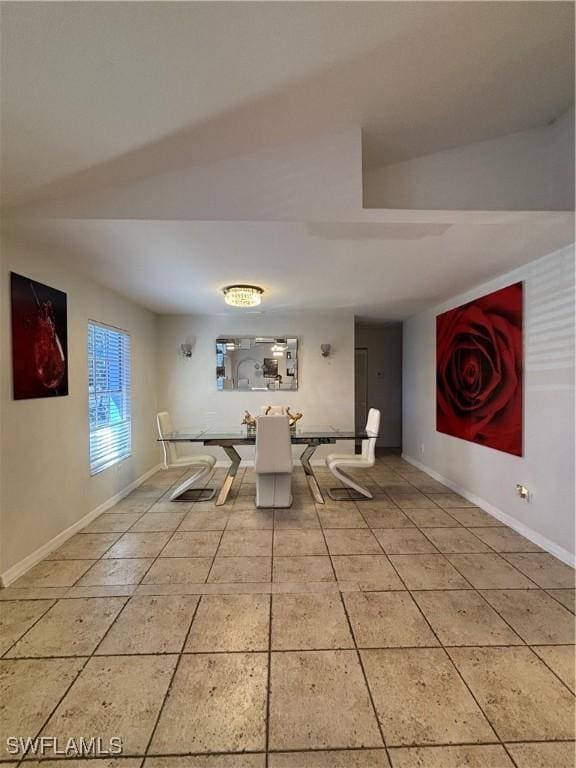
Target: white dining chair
{"type": "Point", "coordinates": [273, 462]}
{"type": "Point", "coordinates": [365, 460]}
{"type": "Point", "coordinates": [203, 463]}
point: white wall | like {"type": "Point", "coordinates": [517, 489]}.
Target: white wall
{"type": "Point", "coordinates": [547, 467]}
{"type": "Point", "coordinates": [187, 387]}
{"type": "Point", "coordinates": [527, 171]}
{"type": "Point", "coordinates": [384, 345]}
{"type": "Point", "coordinates": [45, 480]}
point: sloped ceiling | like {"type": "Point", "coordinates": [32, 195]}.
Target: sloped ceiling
{"type": "Point", "coordinates": [167, 149]}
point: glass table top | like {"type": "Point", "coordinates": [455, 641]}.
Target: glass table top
{"type": "Point", "coordinates": [245, 434]}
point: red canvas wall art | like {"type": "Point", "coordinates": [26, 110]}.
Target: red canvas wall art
{"type": "Point", "coordinates": [479, 352]}
{"type": "Point", "coordinates": [39, 339]}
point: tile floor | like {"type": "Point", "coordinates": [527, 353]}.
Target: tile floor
{"type": "Point", "coordinates": [410, 630]}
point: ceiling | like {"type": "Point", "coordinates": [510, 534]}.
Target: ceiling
{"type": "Point", "coordinates": [377, 270]}
{"type": "Point", "coordinates": [87, 82]}
{"type": "Point", "coordinates": [166, 149]}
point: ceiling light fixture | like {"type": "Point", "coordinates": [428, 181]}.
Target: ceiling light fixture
{"type": "Point", "coordinates": [243, 295]}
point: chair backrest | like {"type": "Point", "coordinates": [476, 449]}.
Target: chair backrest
{"type": "Point", "coordinates": [273, 446]}
{"type": "Point", "coordinates": [372, 430]}
{"type": "Point", "coordinates": [165, 427]}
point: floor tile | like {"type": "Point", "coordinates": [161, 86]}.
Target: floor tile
{"type": "Point", "coordinates": [207, 761]}
{"type": "Point", "coordinates": [217, 703]}
{"type": "Point", "coordinates": [340, 518]}
{"type": "Point", "coordinates": [352, 541]}
{"type": "Point", "coordinates": [70, 628]}
{"type": "Point", "coordinates": [209, 520]}
{"type": "Point", "coordinates": [561, 659]}
{"type": "Point", "coordinates": [115, 695]}
{"type": "Point", "coordinates": [551, 755]}
{"type": "Point", "coordinates": [456, 540]}
{"type": "Point", "coordinates": [472, 756]}
{"type": "Point", "coordinates": [230, 623]}
{"type": "Point", "coordinates": [240, 569]}
{"type": "Point", "coordinates": [306, 568]}
{"type": "Point", "coordinates": [307, 622]}
{"type": "Point", "coordinates": [178, 570]}
{"type": "Point", "coordinates": [463, 617]}
{"type": "Point", "coordinates": [131, 504]}
{"type": "Point", "coordinates": [431, 518]}
{"type": "Point", "coordinates": [192, 544]}
{"type": "Point", "coordinates": [489, 572]}
{"type": "Point", "coordinates": [53, 573]}
{"type": "Point", "coordinates": [296, 518]}
{"type": "Point", "coordinates": [24, 704]}
{"type": "Point", "coordinates": [385, 517]}
{"type": "Point", "coordinates": [387, 620]}
{"type": "Point", "coordinates": [421, 699]}
{"type": "Point", "coordinates": [251, 519]}
{"type": "Point", "coordinates": [338, 507]}
{"type": "Point", "coordinates": [535, 616]}
{"type": "Point", "coordinates": [85, 546]}
{"type": "Point", "coordinates": [546, 570]}
{"type": "Point", "coordinates": [245, 543]}
{"type": "Point", "coordinates": [151, 625]}
{"type": "Point", "coordinates": [376, 505]}
{"type": "Point", "coordinates": [17, 617]}
{"type": "Point", "coordinates": [504, 539]}
{"type": "Point", "coordinates": [473, 517]}
{"type": "Point", "coordinates": [362, 758]}
{"type": "Point", "coordinates": [138, 545]}
{"type": "Point", "coordinates": [319, 700]}
{"type": "Point", "coordinates": [88, 762]}
{"type": "Point", "coordinates": [428, 572]}
{"type": "Point", "coordinates": [370, 571]}
{"type": "Point", "coordinates": [565, 596]}
{"type": "Point", "coordinates": [111, 572]}
{"type": "Point", "coordinates": [111, 522]}
{"type": "Point", "coordinates": [452, 500]}
{"type": "Point", "coordinates": [403, 541]}
{"type": "Point", "coordinates": [299, 542]}
{"type": "Point", "coordinates": [521, 697]}
{"type": "Point", "coordinates": [158, 521]}
{"type": "Point", "coordinates": [412, 501]}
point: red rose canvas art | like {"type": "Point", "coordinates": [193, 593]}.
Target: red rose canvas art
{"type": "Point", "coordinates": [39, 339]}
{"type": "Point", "coordinates": [479, 357]}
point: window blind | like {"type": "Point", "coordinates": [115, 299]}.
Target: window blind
{"type": "Point", "coordinates": [109, 396]}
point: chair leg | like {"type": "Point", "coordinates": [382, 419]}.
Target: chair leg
{"type": "Point", "coordinates": [354, 491]}
{"type": "Point", "coordinates": [185, 492]}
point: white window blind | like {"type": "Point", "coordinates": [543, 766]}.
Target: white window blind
{"type": "Point", "coordinates": [109, 396]}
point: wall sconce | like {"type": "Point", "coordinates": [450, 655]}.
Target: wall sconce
{"type": "Point", "coordinates": [186, 349]}
{"type": "Point", "coordinates": [326, 348]}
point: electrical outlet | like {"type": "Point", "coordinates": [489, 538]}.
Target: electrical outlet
{"type": "Point", "coordinates": [421, 449]}
{"type": "Point", "coordinates": [523, 492]}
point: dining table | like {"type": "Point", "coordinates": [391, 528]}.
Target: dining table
{"type": "Point", "coordinates": [230, 439]}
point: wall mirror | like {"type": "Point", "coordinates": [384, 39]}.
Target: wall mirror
{"type": "Point", "coordinates": [257, 363]}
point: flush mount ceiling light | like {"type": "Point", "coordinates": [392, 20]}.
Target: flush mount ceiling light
{"type": "Point", "coordinates": [243, 295]}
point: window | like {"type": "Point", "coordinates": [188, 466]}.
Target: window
{"type": "Point", "coordinates": [109, 396]}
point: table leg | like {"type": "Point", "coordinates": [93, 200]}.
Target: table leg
{"type": "Point", "coordinates": [234, 456]}
{"type": "Point", "coordinates": [310, 476]}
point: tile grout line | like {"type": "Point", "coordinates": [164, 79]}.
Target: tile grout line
{"type": "Point", "coordinates": [358, 656]}
{"type": "Point", "coordinates": [171, 682]}
{"type": "Point", "coordinates": [451, 662]}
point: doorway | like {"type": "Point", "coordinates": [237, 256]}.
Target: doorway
{"type": "Point", "coordinates": [360, 387]}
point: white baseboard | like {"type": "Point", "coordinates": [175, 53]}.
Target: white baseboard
{"type": "Point", "coordinates": [20, 568]}
{"type": "Point", "coordinates": [533, 536]}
